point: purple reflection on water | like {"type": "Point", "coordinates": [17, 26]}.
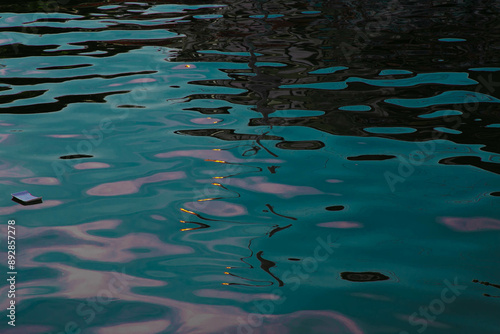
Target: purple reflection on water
{"type": "Point", "coordinates": [217, 208]}
{"type": "Point", "coordinates": [132, 186]}
{"type": "Point", "coordinates": [260, 184]}
{"type": "Point", "coordinates": [471, 224]}
{"type": "Point", "coordinates": [91, 165]}
{"type": "Point", "coordinates": [46, 181]}
{"type": "Point", "coordinates": [341, 224]}
{"type": "Point", "coordinates": [7, 210]}
{"type": "Point", "coordinates": [144, 327]}
{"type": "Point", "coordinates": [212, 155]}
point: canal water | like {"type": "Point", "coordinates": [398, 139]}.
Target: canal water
{"type": "Point", "coordinates": [251, 166]}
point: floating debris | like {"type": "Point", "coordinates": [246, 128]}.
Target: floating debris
{"type": "Point", "coordinates": [25, 198]}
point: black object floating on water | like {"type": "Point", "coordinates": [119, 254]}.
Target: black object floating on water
{"type": "Point", "coordinates": [366, 276]}
{"type": "Point", "coordinates": [25, 198]}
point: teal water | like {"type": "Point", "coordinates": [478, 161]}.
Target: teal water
{"type": "Point", "coordinates": [251, 166]}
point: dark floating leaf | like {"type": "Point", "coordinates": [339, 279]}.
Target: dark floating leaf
{"type": "Point", "coordinates": [300, 145]}
{"type": "Point", "coordinates": [76, 156]}
{"type": "Point", "coordinates": [366, 276]}
{"type": "Point", "coordinates": [335, 208]}
{"type": "Point", "coordinates": [25, 198]}
{"type": "Point", "coordinates": [370, 157]}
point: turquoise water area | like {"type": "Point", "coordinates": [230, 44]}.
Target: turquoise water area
{"type": "Point", "coordinates": [251, 167]}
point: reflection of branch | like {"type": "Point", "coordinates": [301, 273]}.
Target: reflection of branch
{"type": "Point", "coordinates": [277, 229]}
{"type": "Point", "coordinates": [266, 265]}
{"type": "Point", "coordinates": [258, 142]}
{"type": "Point", "coordinates": [488, 284]}
{"type": "Point", "coordinates": [272, 210]}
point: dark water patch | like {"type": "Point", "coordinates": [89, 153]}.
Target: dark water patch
{"type": "Point", "coordinates": [66, 67]}
{"type": "Point", "coordinates": [21, 95]}
{"type": "Point", "coordinates": [472, 161]}
{"type": "Point", "coordinates": [62, 102]}
{"type": "Point", "coordinates": [367, 276]}
{"type": "Point", "coordinates": [371, 157]}
{"type": "Point", "coordinates": [130, 106]}
{"type": "Point", "coordinates": [76, 156]}
{"type": "Point", "coordinates": [335, 208]}
{"type": "Point", "coordinates": [226, 134]}
{"type": "Point", "coordinates": [34, 80]}
{"type": "Point", "coordinates": [301, 145]}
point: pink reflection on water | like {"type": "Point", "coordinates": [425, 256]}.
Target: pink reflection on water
{"type": "Point", "coordinates": [212, 155]}
{"type": "Point", "coordinates": [7, 170]}
{"type": "Point", "coordinates": [141, 80]}
{"type": "Point", "coordinates": [145, 327]}
{"type": "Point", "coordinates": [91, 165]}
{"type": "Point", "coordinates": [86, 245]}
{"type": "Point", "coordinates": [7, 210]}
{"type": "Point", "coordinates": [23, 329]}
{"type": "Point", "coordinates": [341, 224]}
{"type": "Point", "coordinates": [4, 137]}
{"type": "Point", "coordinates": [158, 217]}
{"type": "Point", "coordinates": [471, 224]}
{"type": "Point", "coordinates": [35, 72]}
{"type": "Point", "coordinates": [47, 181]}
{"type": "Point", "coordinates": [207, 120]}
{"type": "Point", "coordinates": [334, 181]}
{"type": "Point", "coordinates": [326, 322]}
{"type": "Point", "coordinates": [63, 136]}
{"type": "Point", "coordinates": [217, 208]}
{"type": "Point", "coordinates": [132, 186]}
{"type": "Point", "coordinates": [259, 184]}
{"type": "Point", "coordinates": [238, 296]}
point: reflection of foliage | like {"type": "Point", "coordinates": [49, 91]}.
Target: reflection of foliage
{"type": "Point", "coordinates": [282, 42]}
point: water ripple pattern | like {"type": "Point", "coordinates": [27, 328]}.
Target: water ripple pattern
{"type": "Point", "coordinates": [252, 166]}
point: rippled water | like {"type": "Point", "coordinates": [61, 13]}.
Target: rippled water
{"type": "Point", "coordinates": [252, 166]}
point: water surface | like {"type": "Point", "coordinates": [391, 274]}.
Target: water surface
{"type": "Point", "coordinates": [252, 166]}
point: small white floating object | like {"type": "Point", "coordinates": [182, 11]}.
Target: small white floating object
{"type": "Point", "coordinates": [24, 197]}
